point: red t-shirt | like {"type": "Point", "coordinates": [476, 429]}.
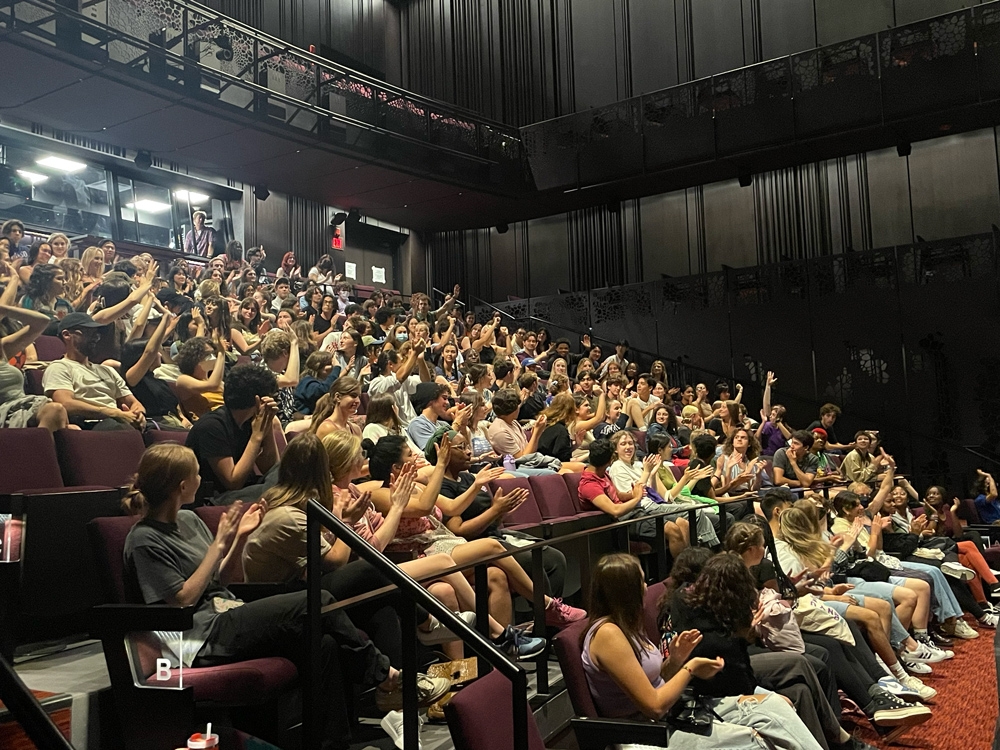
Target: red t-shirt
{"type": "Point", "coordinates": [593, 486]}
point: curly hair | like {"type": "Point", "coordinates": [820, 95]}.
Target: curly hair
{"type": "Point", "coordinates": [727, 590]}
{"type": "Point", "coordinates": [687, 567]}
{"type": "Point", "coordinates": [40, 282]}
{"type": "Point", "coordinates": [753, 444]}
{"type": "Point", "coordinates": [191, 353]}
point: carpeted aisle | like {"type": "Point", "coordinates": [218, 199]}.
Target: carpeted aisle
{"type": "Point", "coordinates": [965, 710]}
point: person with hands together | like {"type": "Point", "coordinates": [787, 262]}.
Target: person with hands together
{"type": "Point", "coordinates": [629, 678]}
{"type": "Point", "coordinates": [139, 361]}
{"type": "Point", "coordinates": [987, 499]}
{"type": "Point", "coordinates": [172, 558]}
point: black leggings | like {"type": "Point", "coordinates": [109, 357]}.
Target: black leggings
{"type": "Point", "coordinates": [379, 618]}
{"type": "Point", "coordinates": [274, 626]}
{"type": "Point", "coordinates": [853, 676]}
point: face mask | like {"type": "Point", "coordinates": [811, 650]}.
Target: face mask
{"type": "Point", "coordinates": [402, 337]}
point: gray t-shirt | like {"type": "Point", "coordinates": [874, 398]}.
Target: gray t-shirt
{"type": "Point", "coordinates": [400, 392]}
{"type": "Point", "coordinates": [159, 558]}
{"type": "Point", "coordinates": [421, 430]}
{"type": "Point", "coordinates": [808, 463]}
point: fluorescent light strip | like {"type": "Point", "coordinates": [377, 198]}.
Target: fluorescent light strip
{"type": "Point", "coordinates": [191, 196]}
{"type": "Point", "coordinates": [33, 177]}
{"type": "Point", "coordinates": [149, 206]}
{"type": "Point", "coordinates": [63, 165]}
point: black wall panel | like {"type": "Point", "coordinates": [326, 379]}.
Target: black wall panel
{"type": "Point", "coordinates": [837, 20]}
{"type": "Point", "coordinates": [785, 27]}
{"type": "Point", "coordinates": [653, 45]}
{"type": "Point", "coordinates": [595, 23]}
{"type": "Point", "coordinates": [717, 36]}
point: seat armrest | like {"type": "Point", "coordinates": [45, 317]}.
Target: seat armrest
{"type": "Point", "coordinates": [119, 619]}
{"type": "Point", "coordinates": [600, 734]}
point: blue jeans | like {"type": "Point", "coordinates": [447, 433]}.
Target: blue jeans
{"type": "Point", "coordinates": [943, 601]}
{"type": "Point", "coordinates": [884, 591]}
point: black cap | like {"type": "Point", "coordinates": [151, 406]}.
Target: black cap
{"type": "Point", "coordinates": [78, 320]}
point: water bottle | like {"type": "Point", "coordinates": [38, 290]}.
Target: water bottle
{"type": "Point", "coordinates": [508, 463]}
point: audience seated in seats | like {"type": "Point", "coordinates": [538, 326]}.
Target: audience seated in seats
{"type": "Point", "coordinates": [950, 520]}
{"type": "Point", "coordinates": [382, 418]}
{"type": "Point", "coordinates": [318, 374]}
{"type": "Point", "coordinates": [434, 403]}
{"type": "Point", "coordinates": [423, 531]}
{"type": "Point", "coordinates": [737, 470]}
{"type": "Point", "coordinates": [237, 440]}
{"type": "Point", "coordinates": [532, 397]}
{"type": "Point", "coordinates": [828, 414]}
{"type": "Point", "coordinates": [172, 558]}
{"type": "Point", "coordinates": [18, 409]}
{"type": "Point", "coordinates": [508, 437]}
{"type": "Point", "coordinates": [393, 376]}
{"type": "Point", "coordinates": [986, 497]}
{"type": "Point", "coordinates": [475, 429]}
{"type": "Point", "coordinates": [629, 677]}
{"type": "Point", "coordinates": [44, 291]}
{"type": "Point", "coordinates": [280, 354]}
{"type": "Point", "coordinates": [336, 410]}
{"type": "Point", "coordinates": [795, 466]}
{"type": "Point", "coordinates": [38, 255]}
{"type": "Point", "coordinates": [861, 465]}
{"type": "Point", "coordinates": [639, 407]}
{"type": "Point", "coordinates": [976, 572]}
{"type": "Point", "coordinates": [567, 424]}
{"type": "Point", "coordinates": [483, 514]}
{"type": "Point", "coordinates": [140, 359]}
{"type": "Point", "coordinates": [941, 571]}
{"type": "Point", "coordinates": [94, 396]}
{"type": "Point", "coordinates": [199, 386]}
{"type": "Point", "coordinates": [827, 469]}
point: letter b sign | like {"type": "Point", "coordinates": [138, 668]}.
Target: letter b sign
{"type": "Point", "coordinates": [162, 670]}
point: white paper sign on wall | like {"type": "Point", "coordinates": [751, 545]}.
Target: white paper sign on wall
{"type": "Point", "coordinates": [351, 270]}
{"type": "Point", "coordinates": [378, 275]}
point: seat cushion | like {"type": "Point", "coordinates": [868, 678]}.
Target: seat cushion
{"type": "Point", "coordinates": [29, 460]}
{"type": "Point", "coordinates": [242, 683]}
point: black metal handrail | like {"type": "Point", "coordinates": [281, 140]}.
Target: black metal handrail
{"type": "Point", "coordinates": [317, 517]}
{"type": "Point", "coordinates": [28, 712]}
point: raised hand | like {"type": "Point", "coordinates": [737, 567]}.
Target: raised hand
{"type": "Point", "coordinates": [266, 412]}
{"type": "Point", "coordinates": [771, 380]}
{"type": "Point", "coordinates": [487, 475]}
{"type": "Point", "coordinates": [444, 450]}
{"type": "Point", "coordinates": [252, 518]}
{"type": "Point", "coordinates": [683, 644]}
{"type": "Point", "coordinates": [401, 487]}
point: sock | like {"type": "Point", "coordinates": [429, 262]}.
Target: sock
{"type": "Point", "coordinates": [897, 671]}
{"type": "Point", "coordinates": [919, 632]}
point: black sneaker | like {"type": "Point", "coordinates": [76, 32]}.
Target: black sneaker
{"type": "Point", "coordinates": [519, 646]}
{"type": "Point", "coordinates": [889, 711]}
{"type": "Point", "coordinates": [939, 639]}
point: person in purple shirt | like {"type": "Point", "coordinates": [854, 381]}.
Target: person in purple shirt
{"type": "Point", "coordinates": [773, 433]}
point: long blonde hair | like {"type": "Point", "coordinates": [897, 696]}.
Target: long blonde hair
{"type": "Point", "coordinates": [327, 404]}
{"type": "Point", "coordinates": [303, 475]}
{"type": "Point", "coordinates": [562, 409]}
{"type": "Point", "coordinates": [73, 272]}
{"type": "Point", "coordinates": [800, 530]}
{"type": "Point", "coordinates": [343, 450]}
{"type": "Point", "coordinates": [90, 255]}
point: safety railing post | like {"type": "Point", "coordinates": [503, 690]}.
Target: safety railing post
{"type": "Point", "coordinates": [312, 725]}
{"type": "Point", "coordinates": [411, 723]}
{"type": "Point", "coordinates": [538, 606]}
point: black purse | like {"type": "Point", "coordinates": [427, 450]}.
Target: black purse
{"type": "Point", "coordinates": [692, 713]}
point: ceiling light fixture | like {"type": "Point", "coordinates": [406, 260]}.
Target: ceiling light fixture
{"type": "Point", "coordinates": [149, 206]}
{"type": "Point", "coordinates": [33, 177]}
{"type": "Point", "coordinates": [63, 165]}
{"type": "Point", "coordinates": [191, 196]}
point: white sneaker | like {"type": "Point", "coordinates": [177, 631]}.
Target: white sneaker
{"type": "Point", "coordinates": [957, 570]}
{"type": "Point", "coordinates": [996, 573]}
{"type": "Point", "coordinates": [392, 725]}
{"type": "Point", "coordinates": [923, 653]}
{"type": "Point", "coordinates": [989, 620]}
{"type": "Point", "coordinates": [915, 667]}
{"type": "Point", "coordinates": [963, 631]}
{"type": "Point", "coordinates": [439, 633]}
{"type": "Point", "coordinates": [926, 693]}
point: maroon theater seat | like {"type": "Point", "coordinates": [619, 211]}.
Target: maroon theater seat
{"type": "Point", "coordinates": [96, 457]}
{"type": "Point", "coordinates": [33, 382]}
{"type": "Point", "coordinates": [552, 496]}
{"type": "Point", "coordinates": [639, 436]}
{"type": "Point", "coordinates": [49, 348]}
{"type": "Point", "coordinates": [153, 437]}
{"type": "Point", "coordinates": [29, 461]}
{"type": "Point", "coordinates": [145, 712]}
{"type": "Point", "coordinates": [527, 514]}
{"type": "Point", "coordinates": [489, 696]}
{"type": "Point", "coordinates": [569, 651]}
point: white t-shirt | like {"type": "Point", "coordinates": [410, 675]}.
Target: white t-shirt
{"type": "Point", "coordinates": [400, 391]}
{"type": "Point", "coordinates": [95, 383]}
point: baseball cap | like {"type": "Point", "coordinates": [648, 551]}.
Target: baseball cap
{"type": "Point", "coordinates": [367, 341]}
{"type": "Point", "coordinates": [529, 362]}
{"type": "Point", "coordinates": [820, 430]}
{"type": "Point", "coordinates": [78, 320]}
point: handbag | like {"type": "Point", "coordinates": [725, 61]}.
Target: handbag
{"type": "Point", "coordinates": [815, 616]}
{"type": "Point", "coordinates": [776, 625]}
{"type": "Point", "coordinates": [692, 713]}
{"type": "Point", "coordinates": [900, 545]}
{"type": "Point", "coordinates": [869, 570]}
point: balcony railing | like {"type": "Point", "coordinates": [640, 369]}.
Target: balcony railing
{"type": "Point", "coordinates": [205, 55]}
{"type": "Point", "coordinates": [949, 61]}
